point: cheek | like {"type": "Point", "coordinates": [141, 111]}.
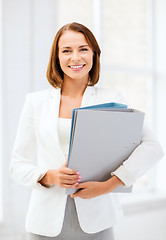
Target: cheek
{"type": "Point", "coordinates": [62, 61]}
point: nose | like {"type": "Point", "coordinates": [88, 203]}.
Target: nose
{"type": "Point", "coordinates": [75, 56]}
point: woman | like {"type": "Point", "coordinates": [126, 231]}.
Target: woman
{"type": "Point", "coordinates": [45, 121]}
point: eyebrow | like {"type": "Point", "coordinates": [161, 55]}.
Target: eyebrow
{"type": "Point", "coordinates": [79, 46]}
{"type": "Point", "coordinates": [84, 46]}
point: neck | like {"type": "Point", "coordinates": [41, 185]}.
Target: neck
{"type": "Point", "coordinates": [74, 87]}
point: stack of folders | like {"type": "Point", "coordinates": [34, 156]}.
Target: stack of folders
{"type": "Point", "coordinates": [102, 137]}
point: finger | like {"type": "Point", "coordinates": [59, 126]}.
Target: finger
{"type": "Point", "coordinates": [68, 186]}
{"type": "Point", "coordinates": [69, 171]}
{"type": "Point", "coordinates": [81, 185]}
{"type": "Point", "coordinates": [76, 194]}
{"type": "Point", "coordinates": [73, 177]}
{"type": "Point", "coordinates": [69, 177]}
{"type": "Point", "coordinates": [70, 182]}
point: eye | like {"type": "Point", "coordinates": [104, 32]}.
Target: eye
{"type": "Point", "coordinates": [84, 49]}
{"type": "Point", "coordinates": [66, 51]}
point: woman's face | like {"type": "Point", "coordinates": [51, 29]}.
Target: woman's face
{"type": "Point", "coordinates": [75, 55]}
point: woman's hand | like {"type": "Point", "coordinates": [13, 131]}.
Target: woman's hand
{"type": "Point", "coordinates": [63, 177]}
{"type": "Point", "coordinates": [94, 189]}
{"type": "Point", "coordinates": [89, 190]}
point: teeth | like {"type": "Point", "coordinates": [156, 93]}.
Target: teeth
{"type": "Point", "coordinates": [78, 66]}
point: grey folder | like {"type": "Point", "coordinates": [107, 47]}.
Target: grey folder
{"type": "Point", "coordinates": [101, 140]}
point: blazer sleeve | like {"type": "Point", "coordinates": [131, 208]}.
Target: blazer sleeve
{"type": "Point", "coordinates": [145, 156]}
{"type": "Point", "coordinates": [22, 167]}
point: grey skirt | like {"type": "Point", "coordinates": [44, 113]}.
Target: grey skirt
{"type": "Point", "coordinates": [71, 229]}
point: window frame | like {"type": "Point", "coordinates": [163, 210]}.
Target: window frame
{"type": "Point", "coordinates": [1, 107]}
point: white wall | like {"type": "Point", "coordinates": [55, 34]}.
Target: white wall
{"type": "Point", "coordinates": [1, 166]}
{"type": "Point", "coordinates": [147, 224]}
{"type": "Point", "coordinates": [28, 31]}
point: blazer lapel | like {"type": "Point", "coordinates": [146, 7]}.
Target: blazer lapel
{"type": "Point", "coordinates": [88, 97]}
{"type": "Point", "coordinates": [55, 101]}
{"type": "Point", "coordinates": [55, 96]}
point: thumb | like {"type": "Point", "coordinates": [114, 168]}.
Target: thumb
{"type": "Point", "coordinates": [65, 164]}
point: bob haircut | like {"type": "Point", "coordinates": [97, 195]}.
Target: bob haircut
{"type": "Point", "coordinates": [54, 72]}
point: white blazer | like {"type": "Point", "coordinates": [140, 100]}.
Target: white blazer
{"type": "Point", "coordinates": [37, 129]}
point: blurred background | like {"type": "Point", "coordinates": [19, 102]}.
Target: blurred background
{"type": "Point", "coordinates": [132, 37]}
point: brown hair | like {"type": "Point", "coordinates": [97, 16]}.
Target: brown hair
{"type": "Point", "coordinates": [54, 72]}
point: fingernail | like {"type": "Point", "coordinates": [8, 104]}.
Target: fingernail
{"type": "Point", "coordinates": [79, 177]}
{"type": "Point", "coordinates": [78, 173]}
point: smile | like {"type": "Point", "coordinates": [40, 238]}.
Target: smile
{"type": "Point", "coordinates": [77, 67]}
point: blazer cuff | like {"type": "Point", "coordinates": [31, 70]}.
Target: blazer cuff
{"type": "Point", "coordinates": [38, 177]}
{"type": "Point", "coordinates": [124, 175]}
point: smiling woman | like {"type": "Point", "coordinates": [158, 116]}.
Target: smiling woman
{"type": "Point", "coordinates": [91, 212]}
{"type": "Point", "coordinates": [74, 42]}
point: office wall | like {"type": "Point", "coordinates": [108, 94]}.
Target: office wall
{"type": "Point", "coordinates": [28, 31]}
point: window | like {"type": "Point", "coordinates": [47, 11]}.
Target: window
{"type": "Point", "coordinates": [126, 60]}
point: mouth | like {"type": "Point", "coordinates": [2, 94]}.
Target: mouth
{"type": "Point", "coordinates": [76, 67]}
